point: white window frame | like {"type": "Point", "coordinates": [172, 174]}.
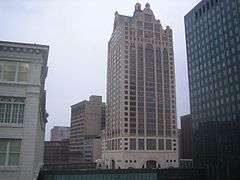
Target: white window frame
{"type": "Point", "coordinates": [2, 64]}
{"type": "Point", "coordinates": [8, 153]}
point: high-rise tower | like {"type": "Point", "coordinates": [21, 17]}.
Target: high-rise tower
{"type": "Point", "coordinates": [141, 99]}
{"type": "Point", "coordinates": [213, 53]}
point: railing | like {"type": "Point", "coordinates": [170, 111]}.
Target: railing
{"type": "Point", "coordinates": [124, 174]}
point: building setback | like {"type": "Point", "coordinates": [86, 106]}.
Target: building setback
{"type": "Point", "coordinates": [141, 127]}
{"type": "Point", "coordinates": [213, 53]}
{"type": "Point", "coordinates": [86, 123]}
{"type": "Point", "coordinates": [23, 70]}
{"type": "Point", "coordinates": [59, 133]}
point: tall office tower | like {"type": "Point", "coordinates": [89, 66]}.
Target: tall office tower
{"type": "Point", "coordinates": [23, 69]}
{"type": "Point", "coordinates": [213, 53]}
{"type": "Point", "coordinates": [141, 104]}
{"type": "Point", "coordinates": [60, 133]}
{"type": "Point", "coordinates": [86, 125]}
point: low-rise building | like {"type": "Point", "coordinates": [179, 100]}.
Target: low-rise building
{"type": "Point", "coordinates": [56, 152]}
{"type": "Point", "coordinates": [23, 70]}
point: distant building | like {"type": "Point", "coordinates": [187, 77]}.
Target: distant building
{"type": "Point", "coordinates": [87, 120]}
{"type": "Point", "coordinates": [141, 125]}
{"type": "Point", "coordinates": [59, 133]}
{"type": "Point", "coordinates": [23, 70]}
{"type": "Point", "coordinates": [213, 52]}
{"type": "Point", "coordinates": [186, 137]}
{"type": "Point", "coordinates": [56, 152]}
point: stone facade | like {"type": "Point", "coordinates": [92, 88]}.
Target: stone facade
{"type": "Point", "coordinates": [141, 126]}
{"type": "Point", "coordinates": [23, 117]}
{"type": "Point", "coordinates": [96, 149]}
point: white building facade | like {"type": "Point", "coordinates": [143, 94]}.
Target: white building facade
{"type": "Point", "coordinates": [23, 69]}
{"type": "Point", "coordinates": [141, 125]}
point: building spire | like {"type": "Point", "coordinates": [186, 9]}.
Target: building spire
{"type": "Point", "coordinates": [147, 5]}
{"type": "Point", "coordinates": [137, 7]}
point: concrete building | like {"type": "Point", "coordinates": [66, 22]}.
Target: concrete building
{"type": "Point", "coordinates": [23, 70]}
{"type": "Point", "coordinates": [59, 133]}
{"type": "Point", "coordinates": [56, 152]}
{"type": "Point", "coordinates": [186, 137]}
{"type": "Point", "coordinates": [141, 126]}
{"type": "Point", "coordinates": [86, 123]}
{"type": "Point", "coordinates": [213, 54]}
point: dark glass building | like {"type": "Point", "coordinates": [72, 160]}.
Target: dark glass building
{"type": "Point", "coordinates": [213, 52]}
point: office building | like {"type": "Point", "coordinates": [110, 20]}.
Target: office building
{"type": "Point", "coordinates": [59, 133]}
{"type": "Point", "coordinates": [86, 123]}
{"type": "Point", "coordinates": [141, 127]}
{"type": "Point", "coordinates": [23, 70]}
{"type": "Point", "coordinates": [213, 53]}
{"type": "Point", "coordinates": [56, 152]}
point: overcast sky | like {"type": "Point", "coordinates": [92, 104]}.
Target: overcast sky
{"type": "Point", "coordinates": [77, 32]}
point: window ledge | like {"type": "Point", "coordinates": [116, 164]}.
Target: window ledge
{"type": "Point", "coordinates": [11, 125]}
{"type": "Point", "coordinates": [9, 168]}
{"type": "Point", "coordinates": [19, 83]}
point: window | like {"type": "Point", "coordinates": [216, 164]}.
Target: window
{"type": "Point", "coordinates": [168, 144]}
{"type": "Point", "coordinates": [11, 110]}
{"type": "Point", "coordinates": [140, 144]}
{"type": "Point", "coordinates": [22, 71]}
{"type": "Point", "coordinates": [9, 71]}
{"type": "Point", "coordinates": [151, 144]}
{"type": "Point", "coordinates": [13, 71]}
{"type": "Point", "coordinates": [160, 144]}
{"type": "Point", "coordinates": [9, 152]}
{"type": "Point", "coordinates": [132, 144]}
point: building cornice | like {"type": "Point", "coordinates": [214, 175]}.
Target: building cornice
{"type": "Point", "coordinates": [23, 47]}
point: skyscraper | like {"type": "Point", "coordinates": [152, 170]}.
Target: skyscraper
{"type": "Point", "coordinates": [213, 53]}
{"type": "Point", "coordinates": [141, 104]}
{"type": "Point", "coordinates": [23, 70]}
{"type": "Point", "coordinates": [86, 123]}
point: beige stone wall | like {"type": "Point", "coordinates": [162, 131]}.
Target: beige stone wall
{"type": "Point", "coordinates": [141, 91]}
